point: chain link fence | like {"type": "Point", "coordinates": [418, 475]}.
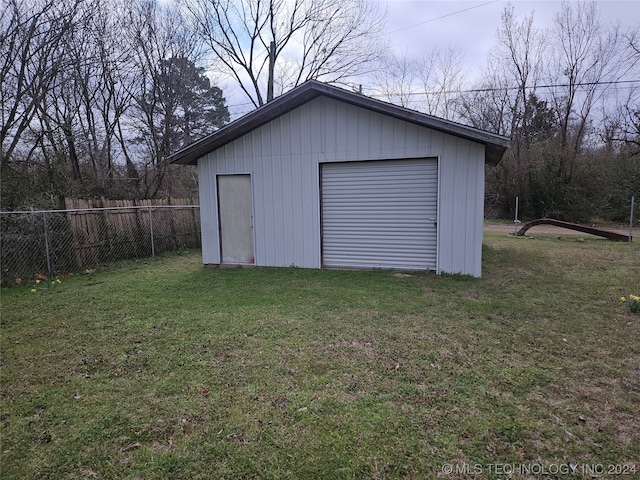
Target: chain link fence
{"type": "Point", "coordinates": [57, 241]}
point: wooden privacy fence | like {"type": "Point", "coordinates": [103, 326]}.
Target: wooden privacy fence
{"type": "Point", "coordinates": [90, 232]}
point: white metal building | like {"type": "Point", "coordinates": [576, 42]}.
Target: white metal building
{"type": "Point", "coordinates": [323, 177]}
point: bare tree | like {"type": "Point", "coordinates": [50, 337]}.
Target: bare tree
{"type": "Point", "coordinates": [302, 39]}
{"type": "Point", "coordinates": [102, 86]}
{"type": "Point", "coordinates": [430, 84]}
{"type": "Point", "coordinates": [633, 40]}
{"type": "Point", "coordinates": [94, 95]}
{"type": "Point", "coordinates": [505, 102]}
{"type": "Point", "coordinates": [489, 105]}
{"type": "Point", "coordinates": [500, 101]}
{"type": "Point", "coordinates": [397, 79]}
{"type": "Point", "coordinates": [519, 54]}
{"type": "Point", "coordinates": [589, 60]}
{"type": "Point", "coordinates": [442, 78]}
{"type": "Point", "coordinates": [620, 129]}
{"type": "Point", "coordinates": [31, 34]}
{"type": "Point", "coordinates": [88, 99]}
{"type": "Point", "coordinates": [174, 101]}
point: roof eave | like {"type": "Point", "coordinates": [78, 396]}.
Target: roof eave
{"type": "Point", "coordinates": [189, 155]}
{"type": "Point", "coordinates": [495, 145]}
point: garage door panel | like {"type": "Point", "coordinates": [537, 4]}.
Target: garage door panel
{"type": "Point", "coordinates": [381, 218]}
{"type": "Point", "coordinates": [360, 234]}
{"type": "Point", "coordinates": [380, 214]}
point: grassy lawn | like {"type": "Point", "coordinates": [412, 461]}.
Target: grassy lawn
{"type": "Point", "coordinates": [164, 369]}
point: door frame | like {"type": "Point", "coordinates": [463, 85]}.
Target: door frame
{"type": "Point", "coordinates": [219, 222]}
{"type": "Point", "coordinates": [430, 159]}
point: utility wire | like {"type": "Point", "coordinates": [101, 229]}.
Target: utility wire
{"type": "Point", "coordinates": [443, 16]}
{"type": "Point", "coordinates": [474, 90]}
{"type": "Point", "coordinates": [533, 87]}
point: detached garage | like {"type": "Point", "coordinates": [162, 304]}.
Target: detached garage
{"type": "Point", "coordinates": [323, 177]}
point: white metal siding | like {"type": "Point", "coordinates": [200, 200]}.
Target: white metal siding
{"type": "Point", "coordinates": [283, 158]}
{"type": "Point", "coordinates": [380, 214]}
{"type": "Point", "coordinates": [461, 208]}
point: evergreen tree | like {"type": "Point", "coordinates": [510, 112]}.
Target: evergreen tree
{"type": "Point", "coordinates": [189, 106]}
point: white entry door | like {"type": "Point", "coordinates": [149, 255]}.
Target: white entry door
{"type": "Point", "coordinates": [235, 214]}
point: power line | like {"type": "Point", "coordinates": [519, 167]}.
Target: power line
{"type": "Point", "coordinates": [469, 90]}
{"type": "Point", "coordinates": [533, 87]}
{"type": "Point", "coordinates": [443, 16]}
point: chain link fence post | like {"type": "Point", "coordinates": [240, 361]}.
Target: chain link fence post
{"type": "Point", "coordinates": [153, 247]}
{"type": "Point", "coordinates": [46, 242]}
{"type": "Point", "coordinates": [633, 199]}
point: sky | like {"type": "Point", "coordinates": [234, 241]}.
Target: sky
{"type": "Point", "coordinates": [417, 26]}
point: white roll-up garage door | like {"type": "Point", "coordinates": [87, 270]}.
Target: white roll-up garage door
{"type": "Point", "coordinates": [380, 214]}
